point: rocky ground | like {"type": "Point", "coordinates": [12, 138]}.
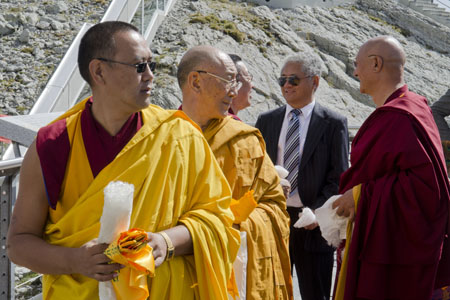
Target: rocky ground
{"type": "Point", "coordinates": [34, 36]}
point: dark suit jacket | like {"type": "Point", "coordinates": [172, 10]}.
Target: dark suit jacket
{"type": "Point", "coordinates": [324, 158]}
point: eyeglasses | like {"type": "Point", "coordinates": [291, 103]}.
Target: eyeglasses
{"type": "Point", "coordinates": [140, 67]}
{"type": "Point", "coordinates": [293, 80]}
{"type": "Point", "coordinates": [233, 83]}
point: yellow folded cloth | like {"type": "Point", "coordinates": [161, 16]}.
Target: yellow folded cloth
{"type": "Point", "coordinates": [243, 207]}
{"type": "Point", "coordinates": [132, 251]}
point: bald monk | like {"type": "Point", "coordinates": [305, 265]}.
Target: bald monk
{"type": "Point", "coordinates": [207, 78]}
{"type": "Point", "coordinates": [396, 191]}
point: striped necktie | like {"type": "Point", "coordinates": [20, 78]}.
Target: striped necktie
{"type": "Point", "coordinates": [292, 149]}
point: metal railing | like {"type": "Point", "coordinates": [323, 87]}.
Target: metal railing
{"type": "Point", "coordinates": [8, 170]}
{"type": "Point", "coordinates": [447, 6]}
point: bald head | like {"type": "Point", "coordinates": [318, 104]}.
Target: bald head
{"type": "Point", "coordinates": [199, 58]}
{"type": "Point", "coordinates": [379, 67]}
{"type": "Point", "coordinates": [388, 48]}
{"type": "Point", "coordinates": [207, 79]}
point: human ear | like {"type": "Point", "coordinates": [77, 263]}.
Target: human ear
{"type": "Point", "coordinates": [378, 63]}
{"type": "Point", "coordinates": [194, 81]}
{"type": "Point", "coordinates": [316, 80]}
{"type": "Point", "coordinates": [96, 70]}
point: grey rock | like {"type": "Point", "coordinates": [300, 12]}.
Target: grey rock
{"type": "Point", "coordinates": [55, 8]}
{"type": "Point", "coordinates": [43, 24]}
{"type": "Point", "coordinates": [32, 18]}
{"type": "Point", "coordinates": [225, 15]}
{"type": "Point", "coordinates": [12, 18]}
{"type": "Point", "coordinates": [12, 68]}
{"type": "Point", "coordinates": [24, 37]}
{"type": "Point", "coordinates": [56, 25]}
{"type": "Point", "coordinates": [6, 28]}
{"type": "Point", "coordinates": [47, 19]}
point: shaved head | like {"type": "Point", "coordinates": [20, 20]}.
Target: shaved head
{"type": "Point", "coordinates": [199, 57]}
{"type": "Point", "coordinates": [379, 67]}
{"type": "Point", "coordinates": [388, 48]}
{"type": "Point", "coordinates": [207, 79]}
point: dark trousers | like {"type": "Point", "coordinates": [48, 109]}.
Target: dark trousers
{"type": "Point", "coordinates": [314, 269]}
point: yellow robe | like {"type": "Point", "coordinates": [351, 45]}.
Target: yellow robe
{"type": "Point", "coordinates": [240, 152]}
{"type": "Point", "coordinates": [177, 181]}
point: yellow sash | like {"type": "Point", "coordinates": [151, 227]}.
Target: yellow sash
{"type": "Point", "coordinates": [177, 181]}
{"type": "Point", "coordinates": [340, 289]}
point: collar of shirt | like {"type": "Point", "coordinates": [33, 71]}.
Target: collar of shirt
{"type": "Point", "coordinates": [306, 110]}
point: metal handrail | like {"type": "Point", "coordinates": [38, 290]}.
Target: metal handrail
{"type": "Point", "coordinates": [6, 165]}
{"type": "Point", "coordinates": [440, 2]}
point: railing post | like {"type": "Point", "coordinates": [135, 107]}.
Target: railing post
{"type": "Point", "coordinates": [142, 17]}
{"type": "Point", "coordinates": [6, 268]}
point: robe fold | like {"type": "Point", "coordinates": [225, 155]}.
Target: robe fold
{"type": "Point", "coordinates": [399, 246]}
{"type": "Point", "coordinates": [177, 181]}
{"type": "Point", "coordinates": [240, 152]}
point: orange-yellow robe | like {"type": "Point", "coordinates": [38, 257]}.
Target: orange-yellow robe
{"type": "Point", "coordinates": [240, 152]}
{"type": "Point", "coordinates": [177, 181]}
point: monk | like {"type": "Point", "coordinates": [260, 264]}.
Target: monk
{"type": "Point", "coordinates": [396, 190]}
{"type": "Point", "coordinates": [242, 99]}
{"type": "Point", "coordinates": [207, 78]}
{"type": "Point", "coordinates": [181, 197]}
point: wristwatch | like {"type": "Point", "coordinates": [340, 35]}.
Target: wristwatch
{"type": "Point", "coordinates": [170, 249]}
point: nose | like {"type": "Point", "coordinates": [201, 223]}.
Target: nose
{"type": "Point", "coordinates": [233, 91]}
{"type": "Point", "coordinates": [148, 74]}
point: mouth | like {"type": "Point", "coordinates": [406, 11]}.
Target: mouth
{"type": "Point", "coordinates": [146, 90]}
{"type": "Point", "coordinates": [228, 103]}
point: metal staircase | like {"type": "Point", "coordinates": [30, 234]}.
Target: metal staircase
{"type": "Point", "coordinates": [65, 86]}
{"type": "Point", "coordinates": [434, 9]}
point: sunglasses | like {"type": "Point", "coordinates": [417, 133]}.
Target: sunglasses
{"type": "Point", "coordinates": [292, 80]}
{"type": "Point", "coordinates": [140, 67]}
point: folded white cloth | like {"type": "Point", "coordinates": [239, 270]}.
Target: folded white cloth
{"type": "Point", "coordinates": [305, 218]}
{"type": "Point", "coordinates": [117, 207]}
{"type": "Point", "coordinates": [282, 172]}
{"type": "Point", "coordinates": [332, 226]}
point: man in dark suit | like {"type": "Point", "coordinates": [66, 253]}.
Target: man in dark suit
{"type": "Point", "coordinates": [311, 142]}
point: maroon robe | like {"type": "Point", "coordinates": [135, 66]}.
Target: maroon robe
{"type": "Point", "coordinates": [402, 217]}
{"type": "Point", "coordinates": [53, 148]}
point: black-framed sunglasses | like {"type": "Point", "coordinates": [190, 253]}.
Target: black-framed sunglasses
{"type": "Point", "coordinates": [140, 67]}
{"type": "Point", "coordinates": [293, 80]}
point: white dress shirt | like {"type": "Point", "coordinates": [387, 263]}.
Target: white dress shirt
{"type": "Point", "coordinates": [304, 119]}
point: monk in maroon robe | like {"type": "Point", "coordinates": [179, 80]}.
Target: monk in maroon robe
{"type": "Point", "coordinates": [399, 246]}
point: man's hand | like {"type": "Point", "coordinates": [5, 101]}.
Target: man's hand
{"type": "Point", "coordinates": [345, 205]}
{"type": "Point", "coordinates": [286, 187]}
{"type": "Point", "coordinates": [158, 243]}
{"type": "Point", "coordinates": [90, 261]}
